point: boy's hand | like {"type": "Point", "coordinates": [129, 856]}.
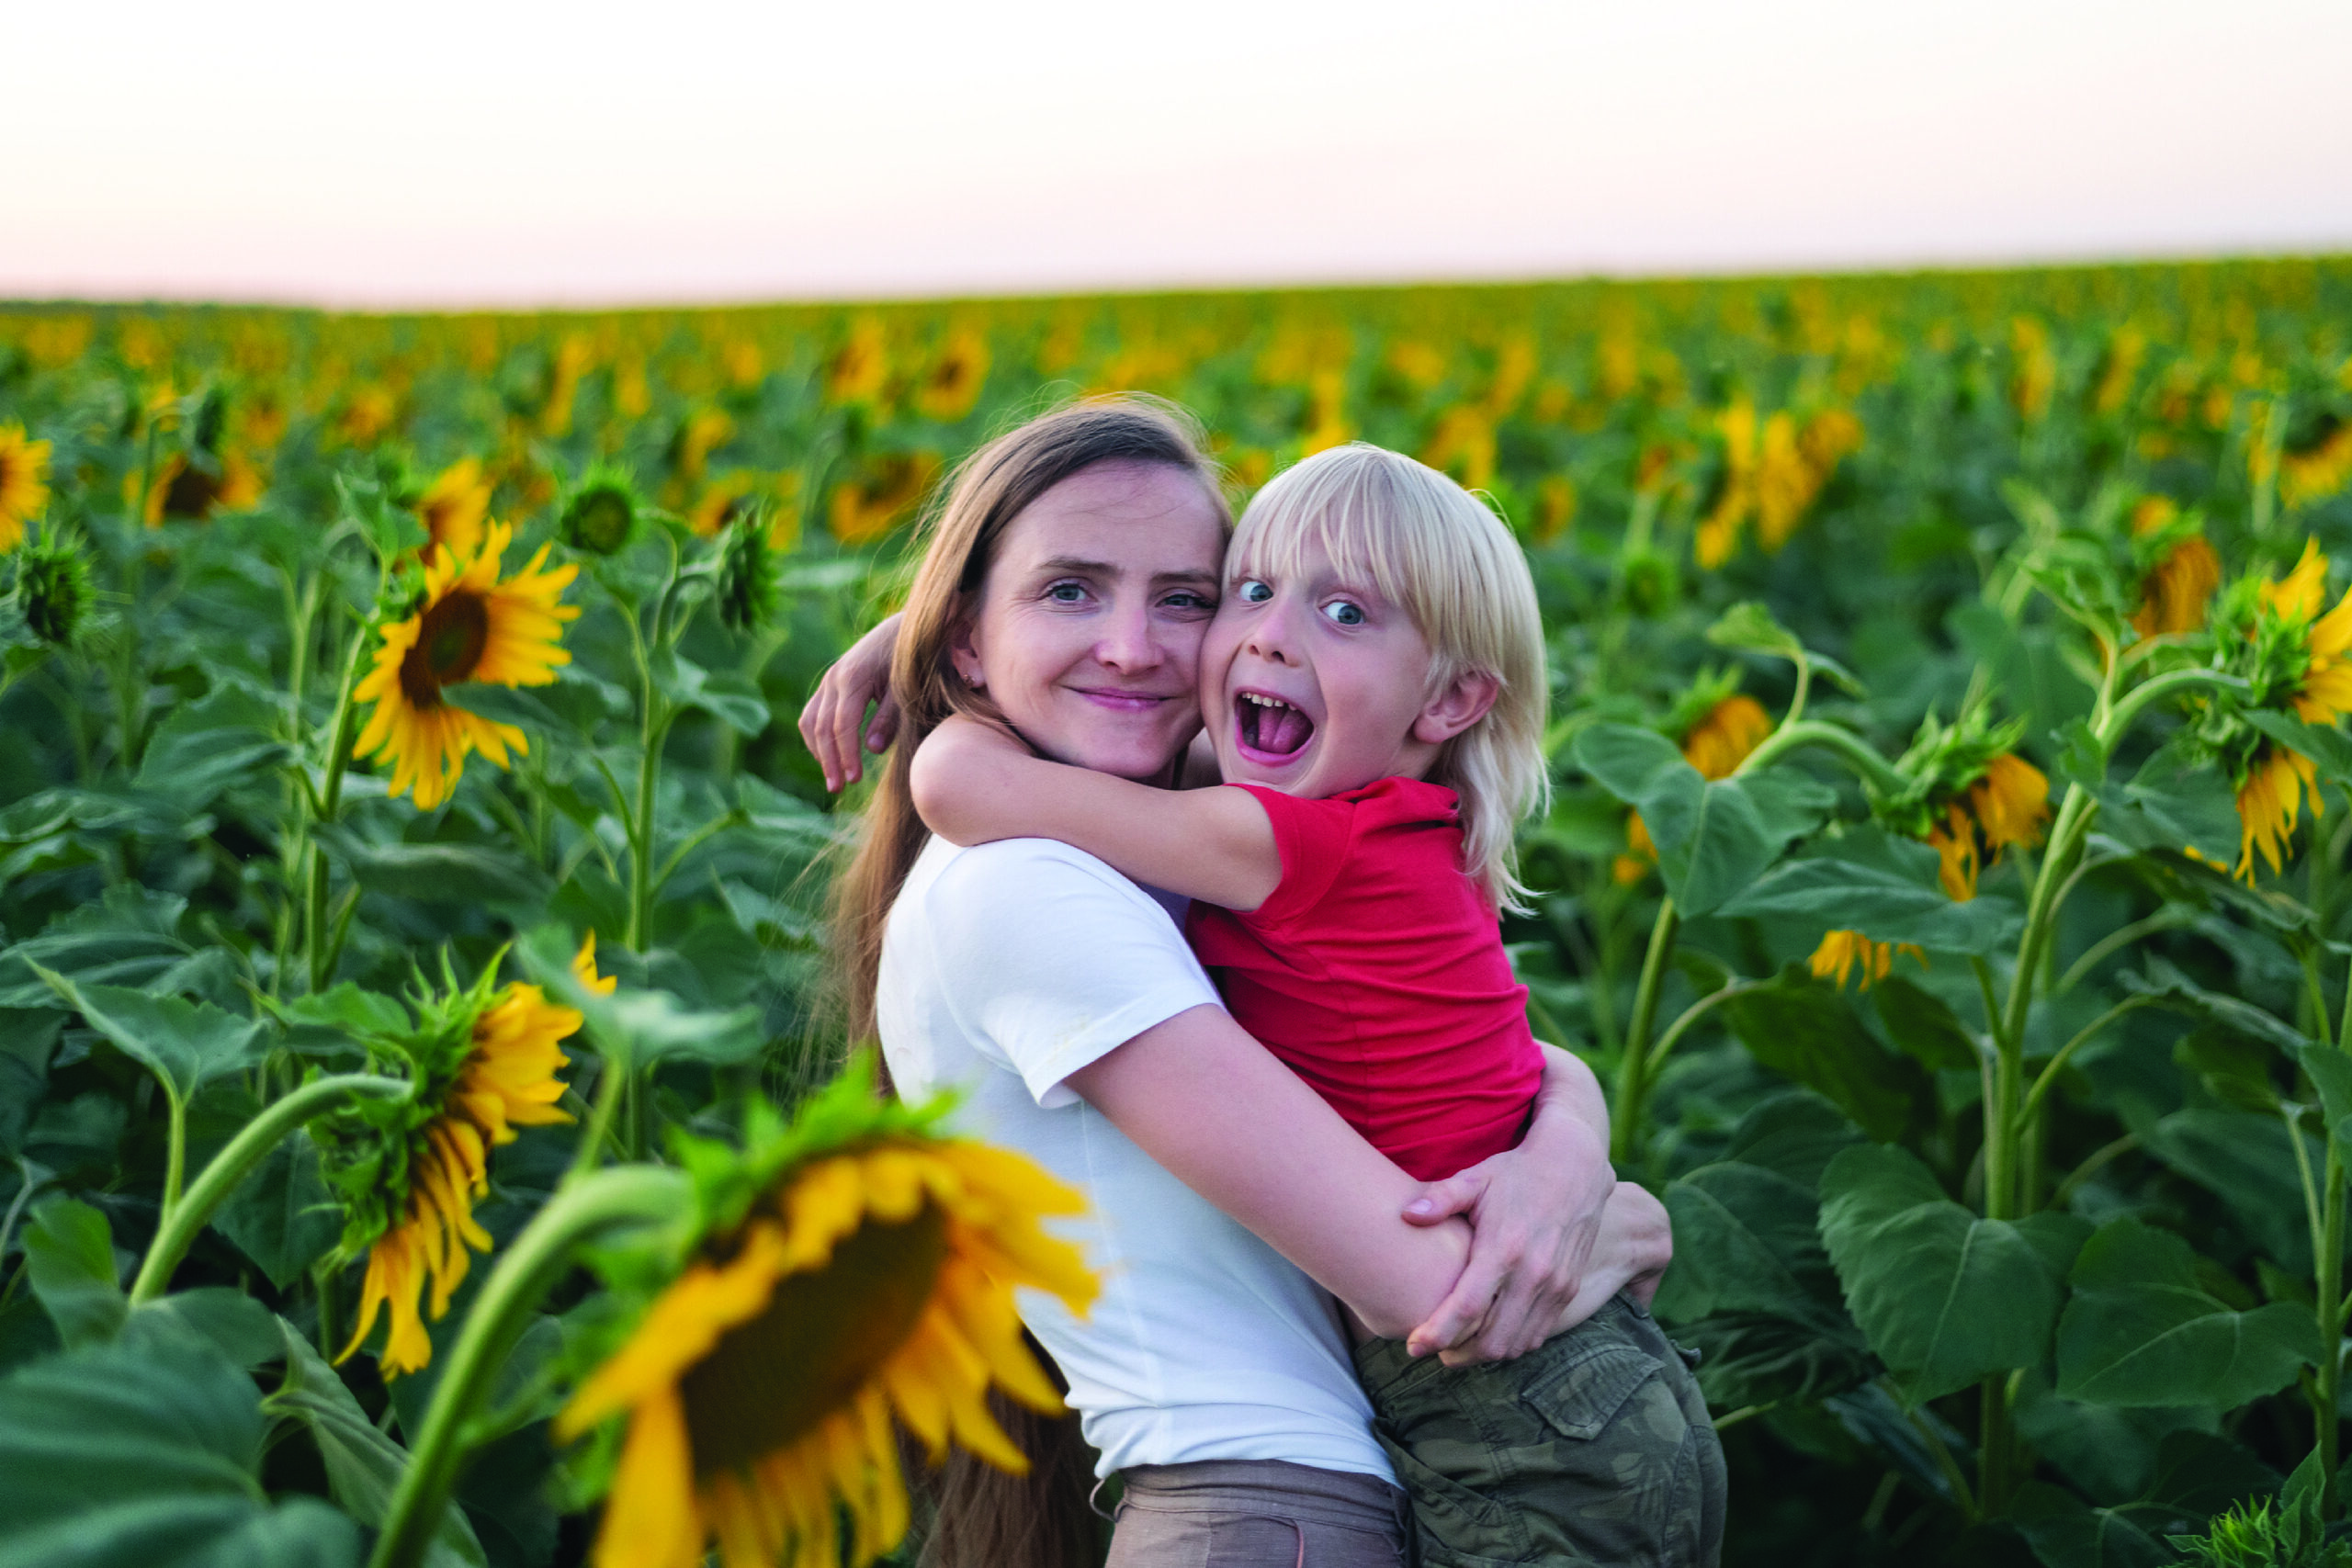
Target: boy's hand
{"type": "Point", "coordinates": [954, 769]}
{"type": "Point", "coordinates": [830, 722]}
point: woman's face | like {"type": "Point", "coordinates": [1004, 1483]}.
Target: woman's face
{"type": "Point", "coordinates": [1088, 634]}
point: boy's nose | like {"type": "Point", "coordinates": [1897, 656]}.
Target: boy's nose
{"type": "Point", "coordinates": [1272, 638]}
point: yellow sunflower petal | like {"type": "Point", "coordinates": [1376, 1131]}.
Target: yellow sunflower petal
{"type": "Point", "coordinates": [651, 1516]}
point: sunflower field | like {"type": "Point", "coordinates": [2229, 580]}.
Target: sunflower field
{"type": "Point", "coordinates": [421, 1135]}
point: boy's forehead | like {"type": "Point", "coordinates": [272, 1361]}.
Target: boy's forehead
{"type": "Point", "coordinates": [1302, 554]}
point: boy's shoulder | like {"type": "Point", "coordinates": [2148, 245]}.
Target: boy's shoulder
{"type": "Point", "coordinates": [1394, 798]}
{"type": "Point", "coordinates": [1400, 801]}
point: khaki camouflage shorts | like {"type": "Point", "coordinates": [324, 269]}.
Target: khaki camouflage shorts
{"type": "Point", "coordinates": [1594, 1449]}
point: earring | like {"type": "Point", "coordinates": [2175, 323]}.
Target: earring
{"type": "Point", "coordinates": [975, 682]}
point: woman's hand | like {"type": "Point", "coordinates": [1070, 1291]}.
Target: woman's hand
{"type": "Point", "coordinates": [830, 722]}
{"type": "Point", "coordinates": [1535, 1212]}
{"type": "Point", "coordinates": [1630, 1254]}
{"type": "Point", "coordinates": [1631, 1247]}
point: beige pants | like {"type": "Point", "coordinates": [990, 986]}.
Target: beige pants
{"type": "Point", "coordinates": [1256, 1514]}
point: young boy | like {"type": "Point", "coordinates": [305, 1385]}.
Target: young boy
{"type": "Point", "coordinates": [1373, 688]}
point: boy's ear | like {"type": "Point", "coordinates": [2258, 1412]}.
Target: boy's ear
{"type": "Point", "coordinates": [1459, 703]}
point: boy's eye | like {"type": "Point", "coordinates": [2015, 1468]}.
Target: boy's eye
{"type": "Point", "coordinates": [1338, 612]}
{"type": "Point", "coordinates": [1253, 592]}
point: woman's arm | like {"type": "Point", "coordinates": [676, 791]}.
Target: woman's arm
{"type": "Point", "coordinates": [829, 721]}
{"type": "Point", "coordinates": [973, 784]}
{"type": "Point", "coordinates": [1279, 1160]}
{"type": "Point", "coordinates": [1536, 1211]}
{"type": "Point", "coordinates": [1228, 1120]}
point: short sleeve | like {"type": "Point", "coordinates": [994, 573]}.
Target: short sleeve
{"type": "Point", "coordinates": [1312, 836]}
{"type": "Point", "coordinates": [1049, 959]}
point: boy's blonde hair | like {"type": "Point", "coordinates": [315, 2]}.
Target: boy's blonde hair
{"type": "Point", "coordinates": [1432, 548]}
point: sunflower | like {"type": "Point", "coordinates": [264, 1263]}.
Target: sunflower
{"type": "Point", "coordinates": [1841, 953]}
{"type": "Point", "coordinates": [24, 483]}
{"type": "Point", "coordinates": [865, 509]}
{"type": "Point", "coordinates": [1463, 445]}
{"type": "Point", "coordinates": [2009, 804]}
{"type": "Point", "coordinates": [468, 626]}
{"type": "Point", "coordinates": [186, 488]}
{"type": "Point", "coordinates": [487, 1064]}
{"type": "Point", "coordinates": [1727, 732]}
{"type": "Point", "coordinates": [452, 506]}
{"type": "Point", "coordinates": [2176, 588]}
{"type": "Point", "coordinates": [2318, 468]}
{"type": "Point", "coordinates": [861, 367]}
{"type": "Point", "coordinates": [722, 501]}
{"type": "Point", "coordinates": [864, 1280]}
{"type": "Point", "coordinates": [952, 385]}
{"type": "Point", "coordinates": [2289, 622]}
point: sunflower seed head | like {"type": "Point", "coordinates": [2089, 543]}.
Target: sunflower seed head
{"type": "Point", "coordinates": [53, 587]}
{"type": "Point", "coordinates": [746, 590]}
{"type": "Point", "coordinates": [601, 517]}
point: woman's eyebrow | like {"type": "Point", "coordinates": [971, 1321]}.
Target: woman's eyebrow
{"type": "Point", "coordinates": [1208, 580]}
{"type": "Point", "coordinates": [1077, 565]}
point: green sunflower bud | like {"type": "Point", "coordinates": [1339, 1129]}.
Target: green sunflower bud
{"type": "Point", "coordinates": [53, 587]}
{"type": "Point", "coordinates": [600, 516]}
{"type": "Point", "coordinates": [746, 572]}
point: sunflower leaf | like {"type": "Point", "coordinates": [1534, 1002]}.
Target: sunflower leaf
{"type": "Point", "coordinates": [1883, 905]}
{"type": "Point", "coordinates": [363, 1464]}
{"type": "Point", "coordinates": [142, 1453]}
{"type": "Point", "coordinates": [2328, 747]}
{"type": "Point", "coordinates": [69, 1261]}
{"type": "Point", "coordinates": [639, 1026]}
{"type": "Point", "coordinates": [187, 1045]}
{"type": "Point", "coordinates": [2141, 1330]}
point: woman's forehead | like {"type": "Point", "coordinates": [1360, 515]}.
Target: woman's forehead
{"type": "Point", "coordinates": [1146, 517]}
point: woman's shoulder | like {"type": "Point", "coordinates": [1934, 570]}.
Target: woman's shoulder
{"type": "Point", "coordinates": [1032, 881]}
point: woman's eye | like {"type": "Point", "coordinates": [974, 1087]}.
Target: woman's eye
{"type": "Point", "coordinates": [1341, 613]}
{"type": "Point", "coordinates": [1254, 593]}
{"type": "Point", "coordinates": [1191, 602]}
{"type": "Point", "coordinates": [1066, 593]}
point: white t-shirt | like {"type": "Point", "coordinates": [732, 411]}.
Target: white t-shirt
{"type": "Point", "coordinates": [1005, 968]}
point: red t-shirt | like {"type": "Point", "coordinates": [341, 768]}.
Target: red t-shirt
{"type": "Point", "coordinates": [1377, 973]}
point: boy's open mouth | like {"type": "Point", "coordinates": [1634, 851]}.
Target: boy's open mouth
{"type": "Point", "coordinates": [1271, 726]}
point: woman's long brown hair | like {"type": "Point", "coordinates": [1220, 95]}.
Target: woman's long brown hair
{"type": "Point", "coordinates": [991, 487]}
{"type": "Point", "coordinates": [983, 1518]}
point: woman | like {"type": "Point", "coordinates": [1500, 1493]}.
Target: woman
{"type": "Point", "coordinates": [1065, 587]}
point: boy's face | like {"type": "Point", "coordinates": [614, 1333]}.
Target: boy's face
{"type": "Point", "coordinates": [1313, 685]}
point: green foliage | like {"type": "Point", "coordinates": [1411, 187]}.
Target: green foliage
{"type": "Point", "coordinates": [1945, 1297]}
{"type": "Point", "coordinates": [2290, 1534]}
{"type": "Point", "coordinates": [1910, 523]}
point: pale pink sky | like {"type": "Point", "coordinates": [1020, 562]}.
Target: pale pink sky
{"type": "Point", "coordinates": [487, 152]}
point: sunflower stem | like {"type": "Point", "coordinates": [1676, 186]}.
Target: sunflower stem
{"type": "Point", "coordinates": [319, 953]}
{"type": "Point", "coordinates": [174, 1151]}
{"type": "Point", "coordinates": [1851, 749]}
{"type": "Point", "coordinates": [184, 1219]}
{"type": "Point", "coordinates": [584, 1208]}
{"type": "Point", "coordinates": [1633, 1066]}
{"type": "Point", "coordinates": [2129, 707]}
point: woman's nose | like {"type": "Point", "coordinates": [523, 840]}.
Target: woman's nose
{"type": "Point", "coordinates": [1127, 643]}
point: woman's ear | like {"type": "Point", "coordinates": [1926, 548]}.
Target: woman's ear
{"type": "Point", "coordinates": [964, 652]}
{"type": "Point", "coordinates": [1459, 703]}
